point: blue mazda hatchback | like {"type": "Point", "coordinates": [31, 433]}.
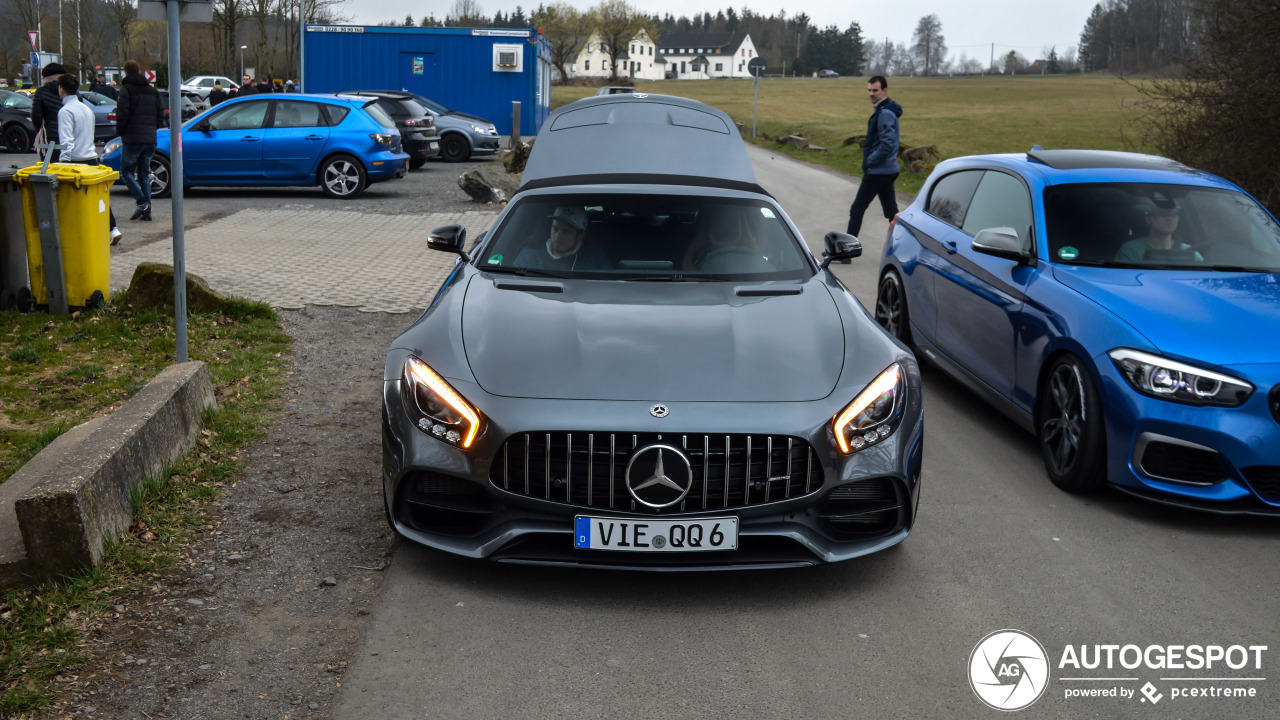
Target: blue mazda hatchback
{"type": "Point", "coordinates": [341, 143]}
{"type": "Point", "coordinates": [1124, 308]}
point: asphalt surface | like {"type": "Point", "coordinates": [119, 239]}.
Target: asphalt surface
{"type": "Point", "coordinates": [996, 546]}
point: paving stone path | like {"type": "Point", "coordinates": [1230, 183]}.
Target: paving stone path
{"type": "Point", "coordinates": [293, 257]}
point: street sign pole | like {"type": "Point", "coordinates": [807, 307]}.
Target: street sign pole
{"type": "Point", "coordinates": [756, 68]}
{"type": "Point", "coordinates": [175, 182]}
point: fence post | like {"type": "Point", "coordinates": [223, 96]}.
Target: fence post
{"type": "Point", "coordinates": [515, 123]}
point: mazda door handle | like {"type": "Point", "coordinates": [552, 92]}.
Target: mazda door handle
{"type": "Point", "coordinates": [314, 137]}
{"type": "Point", "coordinates": [249, 138]}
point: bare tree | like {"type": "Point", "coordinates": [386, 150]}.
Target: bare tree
{"type": "Point", "coordinates": [618, 22]}
{"type": "Point", "coordinates": [465, 13]}
{"type": "Point", "coordinates": [928, 45]}
{"type": "Point", "coordinates": [122, 16]}
{"type": "Point", "coordinates": [567, 28]}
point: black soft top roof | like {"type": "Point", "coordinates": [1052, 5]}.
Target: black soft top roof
{"type": "Point", "coordinates": [1091, 159]}
{"type": "Point", "coordinates": [640, 138]}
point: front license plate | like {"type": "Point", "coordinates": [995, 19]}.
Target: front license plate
{"type": "Point", "coordinates": [632, 534]}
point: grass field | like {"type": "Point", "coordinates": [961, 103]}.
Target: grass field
{"type": "Point", "coordinates": [962, 116]}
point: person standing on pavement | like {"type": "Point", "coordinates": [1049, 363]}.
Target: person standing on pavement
{"type": "Point", "coordinates": [246, 87]}
{"type": "Point", "coordinates": [45, 104]}
{"type": "Point", "coordinates": [75, 127]}
{"type": "Point", "coordinates": [104, 88]}
{"type": "Point", "coordinates": [264, 85]}
{"type": "Point", "coordinates": [138, 114]}
{"type": "Point", "coordinates": [217, 94]}
{"type": "Point", "coordinates": [879, 156]}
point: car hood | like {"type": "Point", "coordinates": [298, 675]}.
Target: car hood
{"type": "Point", "coordinates": [1213, 317]}
{"type": "Point", "coordinates": [651, 341]}
{"type": "Point", "coordinates": [466, 118]}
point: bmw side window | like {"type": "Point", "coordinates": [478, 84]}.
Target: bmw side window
{"type": "Point", "coordinates": [336, 114]}
{"type": "Point", "coordinates": [245, 116]}
{"type": "Point", "coordinates": [950, 196]}
{"type": "Point", "coordinates": [1001, 200]}
{"type": "Point", "coordinates": [293, 114]}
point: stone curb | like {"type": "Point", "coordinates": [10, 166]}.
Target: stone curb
{"type": "Point", "coordinates": [77, 494]}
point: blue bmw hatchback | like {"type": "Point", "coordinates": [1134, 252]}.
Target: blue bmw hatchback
{"type": "Point", "coordinates": [341, 143]}
{"type": "Point", "coordinates": [1124, 308]}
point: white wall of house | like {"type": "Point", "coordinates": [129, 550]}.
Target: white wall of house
{"type": "Point", "coordinates": [641, 62]}
{"type": "Point", "coordinates": [719, 63]}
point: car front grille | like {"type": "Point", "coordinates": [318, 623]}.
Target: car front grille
{"type": "Point", "coordinates": [588, 470]}
{"type": "Point", "coordinates": [1180, 463]}
{"type": "Point", "coordinates": [1265, 480]}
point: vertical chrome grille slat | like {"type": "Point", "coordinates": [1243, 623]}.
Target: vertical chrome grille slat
{"type": "Point", "coordinates": [612, 458]}
{"type": "Point", "coordinates": [790, 442]}
{"type": "Point", "coordinates": [568, 467]}
{"type": "Point", "coordinates": [591, 461]}
{"type": "Point", "coordinates": [746, 476]}
{"type": "Point", "coordinates": [526, 464]}
{"type": "Point", "coordinates": [706, 467]}
{"type": "Point", "coordinates": [808, 470]}
{"type": "Point", "coordinates": [768, 468]}
{"type": "Point", "coordinates": [684, 443]}
{"type": "Point", "coordinates": [726, 472]}
{"type": "Point", "coordinates": [546, 478]}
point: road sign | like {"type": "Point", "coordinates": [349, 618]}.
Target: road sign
{"type": "Point", "coordinates": [34, 35]}
{"type": "Point", "coordinates": [756, 66]}
{"type": "Point", "coordinates": [151, 75]}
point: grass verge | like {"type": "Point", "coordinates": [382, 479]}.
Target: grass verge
{"type": "Point", "coordinates": [56, 372]}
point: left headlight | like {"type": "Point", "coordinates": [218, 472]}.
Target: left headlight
{"type": "Point", "coordinates": [437, 408]}
{"type": "Point", "coordinates": [1168, 379]}
{"type": "Point", "coordinates": [111, 146]}
{"type": "Point", "coordinates": [873, 415]}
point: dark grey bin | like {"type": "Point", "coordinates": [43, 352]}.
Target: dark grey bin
{"type": "Point", "coordinates": [14, 280]}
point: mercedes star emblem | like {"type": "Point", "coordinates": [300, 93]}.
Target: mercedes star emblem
{"type": "Point", "coordinates": [651, 483]}
{"type": "Point", "coordinates": [659, 411]}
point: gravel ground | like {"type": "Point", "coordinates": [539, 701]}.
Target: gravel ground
{"type": "Point", "coordinates": [263, 615]}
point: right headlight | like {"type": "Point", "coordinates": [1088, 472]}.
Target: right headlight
{"type": "Point", "coordinates": [1167, 379]}
{"type": "Point", "coordinates": [873, 415]}
{"type": "Point", "coordinates": [436, 408]}
{"type": "Point", "coordinates": [112, 146]}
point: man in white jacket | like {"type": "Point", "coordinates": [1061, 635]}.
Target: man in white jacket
{"type": "Point", "coordinates": [75, 129]}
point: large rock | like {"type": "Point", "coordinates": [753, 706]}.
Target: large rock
{"type": "Point", "coordinates": [489, 184]}
{"type": "Point", "coordinates": [795, 140]}
{"type": "Point", "coordinates": [515, 160]}
{"type": "Point", "coordinates": [152, 286]}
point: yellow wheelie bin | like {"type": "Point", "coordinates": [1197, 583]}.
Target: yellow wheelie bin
{"type": "Point", "coordinates": [84, 228]}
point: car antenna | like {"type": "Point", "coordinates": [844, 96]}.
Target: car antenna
{"type": "Point", "coordinates": [345, 84]}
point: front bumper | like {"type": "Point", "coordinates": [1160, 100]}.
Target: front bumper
{"type": "Point", "coordinates": [453, 500]}
{"type": "Point", "coordinates": [484, 143]}
{"type": "Point", "coordinates": [1219, 459]}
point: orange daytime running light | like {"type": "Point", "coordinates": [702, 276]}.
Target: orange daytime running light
{"type": "Point", "coordinates": [888, 380]}
{"type": "Point", "coordinates": [428, 377]}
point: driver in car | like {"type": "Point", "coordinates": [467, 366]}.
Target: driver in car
{"type": "Point", "coordinates": [1162, 223]}
{"type": "Point", "coordinates": [565, 249]}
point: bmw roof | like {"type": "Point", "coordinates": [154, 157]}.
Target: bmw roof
{"type": "Point", "coordinates": [1098, 159]}
{"type": "Point", "coordinates": [640, 138]}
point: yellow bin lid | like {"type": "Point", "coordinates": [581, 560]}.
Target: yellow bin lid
{"type": "Point", "coordinates": [79, 175]}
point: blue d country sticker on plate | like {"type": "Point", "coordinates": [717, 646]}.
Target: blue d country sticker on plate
{"type": "Point", "coordinates": [582, 533]}
{"type": "Point", "coordinates": [1068, 253]}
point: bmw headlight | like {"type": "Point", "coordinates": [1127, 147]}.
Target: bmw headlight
{"type": "Point", "coordinates": [112, 146]}
{"type": "Point", "coordinates": [437, 408]}
{"type": "Point", "coordinates": [874, 414]}
{"type": "Point", "coordinates": [1167, 379]}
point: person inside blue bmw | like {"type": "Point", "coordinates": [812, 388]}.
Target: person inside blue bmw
{"type": "Point", "coordinates": [565, 248]}
{"type": "Point", "coordinates": [1159, 243]}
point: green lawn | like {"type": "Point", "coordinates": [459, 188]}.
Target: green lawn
{"type": "Point", "coordinates": [962, 116]}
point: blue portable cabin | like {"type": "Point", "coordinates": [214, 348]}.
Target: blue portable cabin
{"type": "Point", "coordinates": [478, 71]}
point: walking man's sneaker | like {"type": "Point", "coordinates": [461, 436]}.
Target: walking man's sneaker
{"type": "Point", "coordinates": [116, 235]}
{"type": "Point", "coordinates": [143, 209]}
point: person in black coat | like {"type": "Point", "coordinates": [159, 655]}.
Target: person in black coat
{"type": "Point", "coordinates": [45, 104]}
{"type": "Point", "coordinates": [102, 87]}
{"type": "Point", "coordinates": [217, 94]}
{"type": "Point", "coordinates": [138, 114]}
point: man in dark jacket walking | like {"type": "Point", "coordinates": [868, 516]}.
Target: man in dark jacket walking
{"type": "Point", "coordinates": [138, 114]}
{"type": "Point", "coordinates": [217, 94]}
{"type": "Point", "coordinates": [45, 104]}
{"type": "Point", "coordinates": [879, 156]}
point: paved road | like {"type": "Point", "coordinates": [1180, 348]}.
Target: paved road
{"type": "Point", "coordinates": [996, 546]}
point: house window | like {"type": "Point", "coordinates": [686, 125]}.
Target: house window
{"type": "Point", "coordinates": [586, 65]}
{"type": "Point", "coordinates": [591, 47]}
{"type": "Point", "coordinates": [682, 67]}
{"type": "Point", "coordinates": [750, 53]}
{"type": "Point", "coordinates": [740, 67]}
{"type": "Point", "coordinates": [650, 51]}
{"type": "Point", "coordinates": [719, 67]}
{"type": "Point", "coordinates": [633, 48]}
{"type": "Point", "coordinates": [744, 52]}
{"type": "Point", "coordinates": [604, 64]}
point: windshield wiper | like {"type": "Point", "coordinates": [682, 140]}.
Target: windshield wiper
{"type": "Point", "coordinates": [673, 278]}
{"type": "Point", "coordinates": [523, 272]}
{"type": "Point", "coordinates": [1242, 268]}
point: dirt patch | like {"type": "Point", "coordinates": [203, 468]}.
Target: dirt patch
{"type": "Point", "coordinates": [261, 617]}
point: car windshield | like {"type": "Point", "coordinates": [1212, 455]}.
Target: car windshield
{"type": "Point", "coordinates": [434, 107]}
{"type": "Point", "coordinates": [94, 98]}
{"type": "Point", "coordinates": [1160, 226]}
{"type": "Point", "coordinates": [17, 100]}
{"type": "Point", "coordinates": [646, 237]}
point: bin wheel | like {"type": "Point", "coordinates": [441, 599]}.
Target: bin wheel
{"type": "Point", "coordinates": [26, 301]}
{"type": "Point", "coordinates": [159, 176]}
{"type": "Point", "coordinates": [16, 139]}
{"type": "Point", "coordinates": [95, 301]}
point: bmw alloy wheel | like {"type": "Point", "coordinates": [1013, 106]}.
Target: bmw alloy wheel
{"type": "Point", "coordinates": [891, 307]}
{"type": "Point", "coordinates": [1071, 439]}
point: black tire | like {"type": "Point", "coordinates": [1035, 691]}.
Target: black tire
{"type": "Point", "coordinates": [341, 177]}
{"type": "Point", "coordinates": [454, 148]}
{"type": "Point", "coordinates": [95, 301]}
{"type": "Point", "coordinates": [891, 307]}
{"type": "Point", "coordinates": [417, 163]}
{"type": "Point", "coordinates": [26, 301]}
{"type": "Point", "coordinates": [1069, 415]}
{"type": "Point", "coordinates": [160, 176]}
{"type": "Point", "coordinates": [17, 139]}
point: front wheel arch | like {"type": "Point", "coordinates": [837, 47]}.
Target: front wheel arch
{"type": "Point", "coordinates": [361, 182]}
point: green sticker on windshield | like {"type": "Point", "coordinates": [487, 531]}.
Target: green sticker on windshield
{"type": "Point", "coordinates": [1068, 253]}
{"type": "Point", "coordinates": [495, 260]}
{"type": "Point", "coordinates": [767, 213]}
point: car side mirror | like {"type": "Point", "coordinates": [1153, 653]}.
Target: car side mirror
{"type": "Point", "coordinates": [1002, 242]}
{"type": "Point", "coordinates": [840, 246]}
{"type": "Point", "coordinates": [449, 238]}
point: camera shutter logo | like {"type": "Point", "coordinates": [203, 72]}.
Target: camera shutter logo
{"type": "Point", "coordinates": [1008, 670]}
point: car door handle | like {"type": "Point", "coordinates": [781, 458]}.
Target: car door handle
{"type": "Point", "coordinates": [249, 138]}
{"type": "Point", "coordinates": [951, 247]}
{"type": "Point", "coordinates": [314, 137]}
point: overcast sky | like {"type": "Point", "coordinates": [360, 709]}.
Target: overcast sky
{"type": "Point", "coordinates": [969, 26]}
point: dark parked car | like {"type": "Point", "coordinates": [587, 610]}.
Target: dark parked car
{"type": "Point", "coordinates": [417, 126]}
{"type": "Point", "coordinates": [104, 112]}
{"type": "Point", "coordinates": [828, 74]}
{"type": "Point", "coordinates": [461, 135]}
{"type": "Point", "coordinates": [16, 129]}
{"type": "Point", "coordinates": [189, 109]}
{"type": "Point", "coordinates": [649, 371]}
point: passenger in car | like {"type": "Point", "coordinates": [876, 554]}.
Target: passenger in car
{"type": "Point", "coordinates": [566, 248]}
{"type": "Point", "coordinates": [726, 245]}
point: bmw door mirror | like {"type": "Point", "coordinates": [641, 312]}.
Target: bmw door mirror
{"type": "Point", "coordinates": [1002, 242]}
{"type": "Point", "coordinates": [449, 238]}
{"type": "Point", "coordinates": [840, 246]}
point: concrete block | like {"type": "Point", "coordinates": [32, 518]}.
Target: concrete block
{"type": "Point", "coordinates": [84, 501]}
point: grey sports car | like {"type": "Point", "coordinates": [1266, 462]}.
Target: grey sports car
{"type": "Point", "coordinates": [642, 366]}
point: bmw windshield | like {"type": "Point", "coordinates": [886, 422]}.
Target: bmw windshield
{"type": "Point", "coordinates": [644, 237]}
{"type": "Point", "coordinates": [1156, 226]}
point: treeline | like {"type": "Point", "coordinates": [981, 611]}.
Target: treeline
{"type": "Point", "coordinates": [1140, 36]}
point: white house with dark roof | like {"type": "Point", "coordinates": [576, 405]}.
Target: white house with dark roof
{"type": "Point", "coordinates": [640, 60]}
{"type": "Point", "coordinates": [701, 56]}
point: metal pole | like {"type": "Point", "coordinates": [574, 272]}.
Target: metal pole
{"type": "Point", "coordinates": [302, 46]}
{"type": "Point", "coordinates": [515, 123]}
{"type": "Point", "coordinates": [755, 107]}
{"type": "Point", "coordinates": [175, 182]}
